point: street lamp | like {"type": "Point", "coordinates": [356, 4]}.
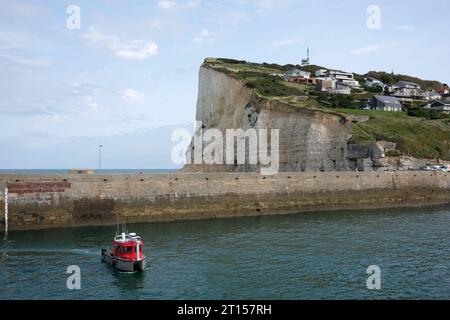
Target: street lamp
{"type": "Point", "coordinates": [100, 157]}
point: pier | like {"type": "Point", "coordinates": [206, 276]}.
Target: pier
{"type": "Point", "coordinates": [52, 201]}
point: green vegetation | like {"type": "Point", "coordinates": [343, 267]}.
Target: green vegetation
{"type": "Point", "coordinates": [377, 90]}
{"type": "Point", "coordinates": [419, 132]}
{"type": "Point", "coordinates": [414, 136]}
{"type": "Point", "coordinates": [265, 78]}
{"type": "Point", "coordinates": [393, 153]}
{"type": "Point", "coordinates": [427, 114]}
{"type": "Point", "coordinates": [337, 101]}
{"type": "Point", "coordinates": [389, 78]}
{"type": "Point", "coordinates": [272, 87]}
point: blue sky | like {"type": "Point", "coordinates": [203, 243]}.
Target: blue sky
{"type": "Point", "coordinates": [128, 76]}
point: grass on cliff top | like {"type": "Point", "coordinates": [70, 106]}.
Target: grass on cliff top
{"type": "Point", "coordinates": [272, 87]}
{"type": "Point", "coordinates": [414, 136]}
{"type": "Point", "coordinates": [265, 78]}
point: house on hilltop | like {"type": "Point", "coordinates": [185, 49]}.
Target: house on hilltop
{"type": "Point", "coordinates": [321, 73]}
{"type": "Point", "coordinates": [341, 89]}
{"type": "Point", "coordinates": [432, 95]}
{"type": "Point", "coordinates": [384, 103]}
{"type": "Point", "coordinates": [300, 76]}
{"type": "Point", "coordinates": [344, 78]}
{"type": "Point", "coordinates": [444, 90]}
{"type": "Point", "coordinates": [373, 83]}
{"type": "Point", "coordinates": [440, 106]}
{"type": "Point", "coordinates": [407, 89]}
{"type": "Point", "coordinates": [325, 84]}
{"type": "Point", "coordinates": [293, 73]}
{"type": "Point", "coordinates": [407, 85]}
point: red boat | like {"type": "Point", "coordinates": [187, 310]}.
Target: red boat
{"type": "Point", "coordinates": [127, 253]}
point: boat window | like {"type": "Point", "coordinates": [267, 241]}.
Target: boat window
{"type": "Point", "coordinates": [127, 250]}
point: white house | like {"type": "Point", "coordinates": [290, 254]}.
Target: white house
{"type": "Point", "coordinates": [321, 73]}
{"type": "Point", "coordinates": [441, 106]}
{"type": "Point", "coordinates": [407, 89]}
{"type": "Point", "coordinates": [344, 78]}
{"type": "Point", "coordinates": [407, 85]}
{"type": "Point", "coordinates": [432, 95]}
{"type": "Point", "coordinates": [341, 89]}
{"type": "Point", "coordinates": [325, 84]}
{"type": "Point", "coordinates": [372, 83]}
{"type": "Point", "coordinates": [297, 73]}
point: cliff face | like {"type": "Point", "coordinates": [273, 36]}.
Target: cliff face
{"type": "Point", "coordinates": [309, 140]}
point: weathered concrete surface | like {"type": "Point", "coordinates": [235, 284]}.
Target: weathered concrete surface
{"type": "Point", "coordinates": [40, 201]}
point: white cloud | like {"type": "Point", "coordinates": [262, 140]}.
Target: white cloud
{"type": "Point", "coordinates": [406, 28]}
{"type": "Point", "coordinates": [172, 4]}
{"type": "Point", "coordinates": [167, 4]}
{"type": "Point", "coordinates": [372, 48]}
{"type": "Point", "coordinates": [193, 3]}
{"type": "Point", "coordinates": [26, 61]}
{"type": "Point", "coordinates": [132, 49]}
{"type": "Point", "coordinates": [92, 103]}
{"type": "Point", "coordinates": [205, 37]}
{"type": "Point", "coordinates": [130, 95]}
{"type": "Point", "coordinates": [154, 24]}
{"type": "Point", "coordinates": [286, 42]}
{"type": "Point", "coordinates": [367, 49]}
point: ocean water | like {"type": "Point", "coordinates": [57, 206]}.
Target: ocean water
{"type": "Point", "coordinates": [300, 256]}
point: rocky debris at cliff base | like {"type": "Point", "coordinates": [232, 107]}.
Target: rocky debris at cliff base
{"type": "Point", "coordinates": [400, 163]}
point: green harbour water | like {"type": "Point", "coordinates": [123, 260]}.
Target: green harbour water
{"type": "Point", "coordinates": [301, 256]}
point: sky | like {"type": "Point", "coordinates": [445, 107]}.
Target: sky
{"type": "Point", "coordinates": [124, 74]}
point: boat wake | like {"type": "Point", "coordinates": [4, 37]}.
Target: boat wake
{"type": "Point", "coordinates": [35, 251]}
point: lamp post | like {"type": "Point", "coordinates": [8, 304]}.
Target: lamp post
{"type": "Point", "coordinates": [100, 157]}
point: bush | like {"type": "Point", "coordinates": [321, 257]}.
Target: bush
{"type": "Point", "coordinates": [393, 153]}
{"type": "Point", "coordinates": [232, 61]}
{"type": "Point", "coordinates": [426, 113]}
{"type": "Point", "coordinates": [272, 87]}
{"type": "Point", "coordinates": [419, 112]}
{"type": "Point", "coordinates": [376, 89]}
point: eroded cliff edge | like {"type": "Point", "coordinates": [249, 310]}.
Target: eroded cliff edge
{"type": "Point", "coordinates": [309, 139]}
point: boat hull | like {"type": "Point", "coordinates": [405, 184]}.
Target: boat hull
{"type": "Point", "coordinates": [124, 265]}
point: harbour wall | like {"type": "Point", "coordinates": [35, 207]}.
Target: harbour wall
{"type": "Point", "coordinates": [51, 201]}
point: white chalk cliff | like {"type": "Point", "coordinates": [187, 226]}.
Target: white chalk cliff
{"type": "Point", "coordinates": [309, 140]}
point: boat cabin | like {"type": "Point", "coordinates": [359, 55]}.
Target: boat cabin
{"type": "Point", "coordinates": [128, 247]}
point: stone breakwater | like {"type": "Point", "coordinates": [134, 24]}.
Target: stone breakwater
{"type": "Point", "coordinates": [51, 201]}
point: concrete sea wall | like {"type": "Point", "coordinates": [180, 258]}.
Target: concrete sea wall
{"type": "Point", "coordinates": [50, 201]}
